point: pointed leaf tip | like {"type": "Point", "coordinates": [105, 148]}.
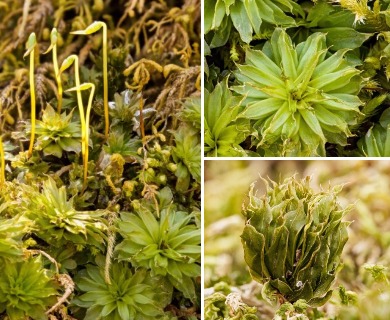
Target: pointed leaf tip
{"type": "Point", "coordinates": [30, 45]}
{"type": "Point", "coordinates": [92, 28]}
{"type": "Point", "coordinates": [83, 86]}
{"type": "Point", "coordinates": [32, 40]}
{"type": "Point", "coordinates": [67, 62]}
{"type": "Point", "coordinates": [53, 36]}
{"type": "Point", "coordinates": [49, 49]}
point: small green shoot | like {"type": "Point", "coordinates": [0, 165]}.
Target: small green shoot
{"type": "Point", "coordinates": [378, 272]}
{"type": "Point", "coordinates": [85, 130]}
{"type": "Point", "coordinates": [94, 27]}
{"type": "Point", "coordinates": [347, 298]}
{"type": "Point", "coordinates": [31, 43]}
{"type": "Point", "coordinates": [53, 48]}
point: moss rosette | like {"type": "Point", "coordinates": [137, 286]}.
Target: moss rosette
{"type": "Point", "coordinates": [300, 97]}
{"type": "Point", "coordinates": [26, 289]}
{"type": "Point", "coordinates": [293, 240]}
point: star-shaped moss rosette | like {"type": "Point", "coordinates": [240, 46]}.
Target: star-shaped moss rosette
{"type": "Point", "coordinates": [299, 96]}
{"type": "Point", "coordinates": [58, 222]}
{"type": "Point", "coordinates": [168, 246]}
{"type": "Point", "coordinates": [293, 240]}
{"type": "Point", "coordinates": [57, 133]}
{"type": "Point", "coordinates": [26, 290]}
{"type": "Point", "coordinates": [131, 294]}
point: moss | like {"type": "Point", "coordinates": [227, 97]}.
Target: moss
{"type": "Point", "coordinates": [115, 155]}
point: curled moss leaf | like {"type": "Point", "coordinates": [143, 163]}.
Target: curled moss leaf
{"type": "Point", "coordinates": [215, 307]}
{"type": "Point", "coordinates": [293, 240]}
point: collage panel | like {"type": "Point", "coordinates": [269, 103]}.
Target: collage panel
{"type": "Point", "coordinates": [100, 159]}
{"type": "Point", "coordinates": [304, 239]}
{"type": "Point", "coordinates": [296, 78]}
{"type": "Point", "coordinates": [113, 205]}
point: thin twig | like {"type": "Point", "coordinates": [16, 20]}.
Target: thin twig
{"type": "Point", "coordinates": [67, 282]}
{"type": "Point", "coordinates": [49, 257]}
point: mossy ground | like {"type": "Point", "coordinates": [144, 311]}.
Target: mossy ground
{"type": "Point", "coordinates": [146, 160]}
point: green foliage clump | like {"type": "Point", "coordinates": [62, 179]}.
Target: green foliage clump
{"type": "Point", "coordinates": [168, 245]}
{"type": "Point", "coordinates": [347, 297]}
{"type": "Point", "coordinates": [11, 234]}
{"type": "Point", "coordinates": [299, 97]}
{"type": "Point", "coordinates": [57, 133]}
{"type": "Point", "coordinates": [215, 307]}
{"type": "Point", "coordinates": [129, 295]}
{"type": "Point", "coordinates": [218, 306]}
{"type": "Point", "coordinates": [25, 289]}
{"type": "Point", "coordinates": [293, 241]}
{"type": "Point", "coordinates": [57, 221]}
{"type": "Point", "coordinates": [94, 148]}
{"type": "Point", "coordinates": [246, 17]}
{"type": "Point", "coordinates": [313, 76]}
{"type": "Point", "coordinates": [223, 133]}
{"type": "Point", "coordinates": [191, 112]}
{"type": "Point", "coordinates": [376, 142]}
{"type": "Point", "coordinates": [223, 303]}
{"type": "Point", "coordinates": [187, 155]}
{"type": "Point", "coordinates": [292, 311]}
{"type": "Point", "coordinates": [124, 107]}
{"type": "Point", "coordinates": [120, 143]}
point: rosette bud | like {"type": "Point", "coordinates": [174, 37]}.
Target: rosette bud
{"type": "Point", "coordinates": [293, 240]}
